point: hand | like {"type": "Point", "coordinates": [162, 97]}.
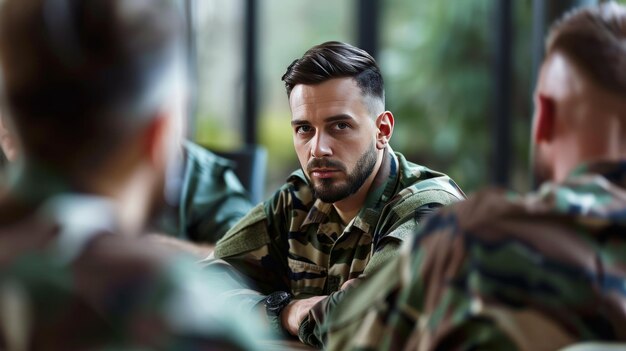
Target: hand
{"type": "Point", "coordinates": [294, 313]}
{"type": "Point", "coordinates": [348, 283]}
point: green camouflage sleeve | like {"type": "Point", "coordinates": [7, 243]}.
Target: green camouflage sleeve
{"type": "Point", "coordinates": [256, 249]}
{"type": "Point", "coordinates": [198, 308]}
{"type": "Point", "coordinates": [401, 227]}
{"type": "Point", "coordinates": [215, 209]}
{"type": "Point", "coordinates": [118, 294]}
{"type": "Point", "coordinates": [411, 292]}
{"type": "Point", "coordinates": [212, 198]}
{"type": "Point", "coordinates": [490, 275]}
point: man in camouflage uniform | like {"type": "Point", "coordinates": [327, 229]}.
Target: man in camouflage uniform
{"type": "Point", "coordinates": [538, 272]}
{"type": "Point", "coordinates": [350, 206]}
{"type": "Point", "coordinates": [96, 89]}
{"type": "Point", "coordinates": [211, 198]}
{"type": "Point", "coordinates": [210, 202]}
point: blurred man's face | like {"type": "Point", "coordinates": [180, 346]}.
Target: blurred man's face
{"type": "Point", "coordinates": [334, 136]}
{"type": "Point", "coordinates": [8, 143]}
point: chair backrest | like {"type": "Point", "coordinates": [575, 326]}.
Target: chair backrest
{"type": "Point", "coordinates": [250, 168]}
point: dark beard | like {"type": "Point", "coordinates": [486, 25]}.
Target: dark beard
{"type": "Point", "coordinates": [329, 193]}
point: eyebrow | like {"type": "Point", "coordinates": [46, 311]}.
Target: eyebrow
{"type": "Point", "coordinates": [337, 118]}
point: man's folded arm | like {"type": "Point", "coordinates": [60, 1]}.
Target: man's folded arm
{"type": "Point", "coordinates": [387, 249]}
{"type": "Point", "coordinates": [255, 258]}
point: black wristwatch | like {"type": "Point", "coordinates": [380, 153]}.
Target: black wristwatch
{"type": "Point", "coordinates": [274, 304]}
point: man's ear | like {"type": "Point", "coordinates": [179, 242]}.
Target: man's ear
{"type": "Point", "coordinates": [384, 125]}
{"type": "Point", "coordinates": [545, 119]}
{"type": "Point", "coordinates": [155, 140]}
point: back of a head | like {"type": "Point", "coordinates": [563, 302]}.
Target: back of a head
{"type": "Point", "coordinates": [81, 75]}
{"type": "Point", "coordinates": [332, 60]}
{"type": "Point", "coordinates": [594, 38]}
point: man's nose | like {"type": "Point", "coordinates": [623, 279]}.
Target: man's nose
{"type": "Point", "coordinates": [320, 146]}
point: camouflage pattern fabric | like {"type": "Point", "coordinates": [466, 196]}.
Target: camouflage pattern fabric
{"type": "Point", "coordinates": [294, 242]}
{"type": "Point", "coordinates": [68, 283]}
{"type": "Point", "coordinates": [212, 199]}
{"type": "Point", "coordinates": [501, 272]}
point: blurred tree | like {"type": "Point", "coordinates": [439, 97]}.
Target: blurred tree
{"type": "Point", "coordinates": [437, 59]}
{"type": "Point", "coordinates": [219, 46]}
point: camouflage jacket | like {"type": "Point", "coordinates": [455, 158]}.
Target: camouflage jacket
{"type": "Point", "coordinates": [294, 242]}
{"type": "Point", "coordinates": [501, 272]}
{"type": "Point", "coordinates": [68, 283]}
{"type": "Point", "coordinates": [211, 200]}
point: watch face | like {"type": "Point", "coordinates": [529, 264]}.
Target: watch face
{"type": "Point", "coordinates": [275, 302]}
{"type": "Point", "coordinates": [277, 298]}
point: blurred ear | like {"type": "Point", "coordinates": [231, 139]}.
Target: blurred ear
{"type": "Point", "coordinates": [384, 124]}
{"type": "Point", "coordinates": [155, 140]}
{"type": "Point", "coordinates": [545, 119]}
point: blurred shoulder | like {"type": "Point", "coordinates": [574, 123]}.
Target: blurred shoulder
{"type": "Point", "coordinates": [203, 159]}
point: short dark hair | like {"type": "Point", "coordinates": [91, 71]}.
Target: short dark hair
{"type": "Point", "coordinates": [81, 75]}
{"type": "Point", "coordinates": [334, 59]}
{"type": "Point", "coordinates": [595, 39]}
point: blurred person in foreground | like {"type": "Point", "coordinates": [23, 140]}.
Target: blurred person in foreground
{"type": "Point", "coordinates": [210, 201]}
{"type": "Point", "coordinates": [348, 208]}
{"type": "Point", "coordinates": [211, 198]}
{"type": "Point", "coordinates": [95, 90]}
{"type": "Point", "coordinates": [535, 272]}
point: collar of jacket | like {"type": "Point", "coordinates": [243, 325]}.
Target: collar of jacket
{"type": "Point", "coordinates": [592, 191]}
{"type": "Point", "coordinates": [382, 189]}
{"type": "Point", "coordinates": [613, 171]}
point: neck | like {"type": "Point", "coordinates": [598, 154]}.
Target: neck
{"type": "Point", "coordinates": [602, 141]}
{"type": "Point", "coordinates": [132, 199]}
{"type": "Point", "coordinates": [129, 191]}
{"type": "Point", "coordinates": [349, 207]}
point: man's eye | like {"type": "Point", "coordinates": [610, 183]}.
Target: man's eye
{"type": "Point", "coordinates": [303, 129]}
{"type": "Point", "coordinates": [342, 125]}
